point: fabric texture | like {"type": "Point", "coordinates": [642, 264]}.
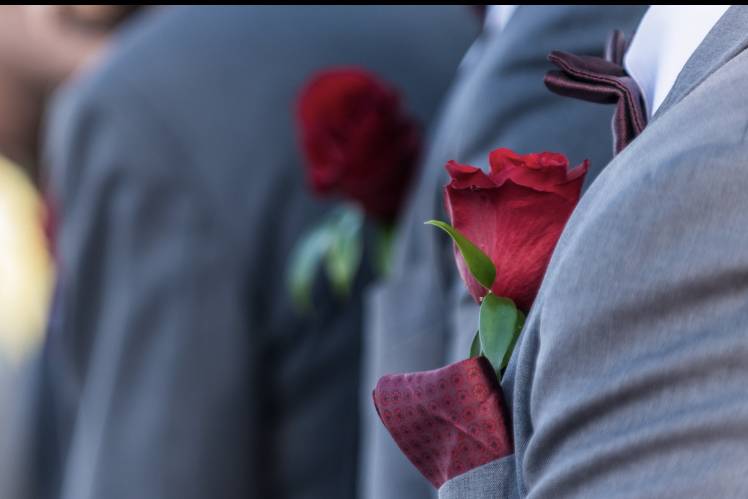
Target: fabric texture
{"type": "Point", "coordinates": [492, 480]}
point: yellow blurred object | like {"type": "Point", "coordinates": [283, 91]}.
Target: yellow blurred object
{"type": "Point", "coordinates": [26, 268]}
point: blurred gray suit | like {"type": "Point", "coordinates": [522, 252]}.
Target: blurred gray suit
{"type": "Point", "coordinates": [176, 367]}
{"type": "Point", "coordinates": [423, 318]}
{"type": "Point", "coordinates": [630, 378]}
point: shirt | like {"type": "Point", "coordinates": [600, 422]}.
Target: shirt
{"type": "Point", "coordinates": [666, 38]}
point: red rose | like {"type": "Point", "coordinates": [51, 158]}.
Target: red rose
{"type": "Point", "coordinates": [515, 215]}
{"type": "Point", "coordinates": [358, 140]}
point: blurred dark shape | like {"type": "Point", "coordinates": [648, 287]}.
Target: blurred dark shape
{"type": "Point", "coordinates": [479, 11]}
{"type": "Point", "coordinates": [99, 17]}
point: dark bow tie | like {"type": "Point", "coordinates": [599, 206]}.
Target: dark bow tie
{"type": "Point", "coordinates": [602, 80]}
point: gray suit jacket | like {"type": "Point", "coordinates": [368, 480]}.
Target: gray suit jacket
{"type": "Point", "coordinates": [422, 317]}
{"type": "Point", "coordinates": [176, 366]}
{"type": "Point", "coordinates": [629, 379]}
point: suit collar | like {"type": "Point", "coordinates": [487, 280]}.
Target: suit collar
{"type": "Point", "coordinates": [727, 39]}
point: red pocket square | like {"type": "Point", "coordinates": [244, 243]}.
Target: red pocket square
{"type": "Point", "coordinates": [447, 421]}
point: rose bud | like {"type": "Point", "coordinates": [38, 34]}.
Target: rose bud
{"type": "Point", "coordinates": [515, 215]}
{"type": "Point", "coordinates": [357, 140]}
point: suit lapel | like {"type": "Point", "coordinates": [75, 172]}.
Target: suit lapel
{"type": "Point", "coordinates": [462, 125]}
{"type": "Point", "coordinates": [472, 127]}
{"type": "Point", "coordinates": [727, 39]}
{"type": "Point", "coordinates": [459, 125]}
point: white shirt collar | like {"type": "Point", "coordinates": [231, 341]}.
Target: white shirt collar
{"type": "Point", "coordinates": [497, 16]}
{"type": "Point", "coordinates": [666, 38]}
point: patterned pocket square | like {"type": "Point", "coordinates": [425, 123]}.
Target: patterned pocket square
{"type": "Point", "coordinates": [447, 421]}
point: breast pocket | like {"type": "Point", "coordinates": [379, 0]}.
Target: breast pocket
{"type": "Point", "coordinates": [404, 331]}
{"type": "Point", "coordinates": [463, 323]}
{"type": "Point", "coordinates": [496, 480]}
{"type": "Point", "coordinates": [406, 323]}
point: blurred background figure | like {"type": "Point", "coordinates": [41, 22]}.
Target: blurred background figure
{"type": "Point", "coordinates": [25, 265]}
{"type": "Point", "coordinates": [40, 47]}
{"type": "Point", "coordinates": [34, 59]}
{"type": "Point", "coordinates": [176, 365]}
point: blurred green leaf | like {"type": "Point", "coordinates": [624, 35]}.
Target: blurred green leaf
{"type": "Point", "coordinates": [498, 329]}
{"type": "Point", "coordinates": [477, 262]}
{"type": "Point", "coordinates": [304, 263]}
{"type": "Point", "coordinates": [343, 256]}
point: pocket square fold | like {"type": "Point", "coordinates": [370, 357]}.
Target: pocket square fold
{"type": "Point", "coordinates": [447, 421]}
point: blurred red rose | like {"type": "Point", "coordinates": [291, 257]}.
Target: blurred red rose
{"type": "Point", "coordinates": [357, 139]}
{"type": "Point", "coordinates": [514, 214]}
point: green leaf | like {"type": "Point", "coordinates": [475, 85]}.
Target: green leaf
{"type": "Point", "coordinates": [477, 262]}
{"type": "Point", "coordinates": [304, 262]}
{"type": "Point", "coordinates": [517, 331]}
{"type": "Point", "coordinates": [498, 329]}
{"type": "Point", "coordinates": [344, 253]}
{"type": "Point", "coordinates": [475, 350]}
{"type": "Point", "coordinates": [337, 243]}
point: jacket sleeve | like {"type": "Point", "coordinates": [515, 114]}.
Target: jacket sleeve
{"type": "Point", "coordinates": [151, 335]}
{"type": "Point", "coordinates": [640, 381]}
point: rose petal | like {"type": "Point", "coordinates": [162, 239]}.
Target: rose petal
{"type": "Point", "coordinates": [516, 218]}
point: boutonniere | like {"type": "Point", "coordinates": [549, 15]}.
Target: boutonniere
{"type": "Point", "coordinates": [361, 145]}
{"type": "Point", "coordinates": [505, 225]}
